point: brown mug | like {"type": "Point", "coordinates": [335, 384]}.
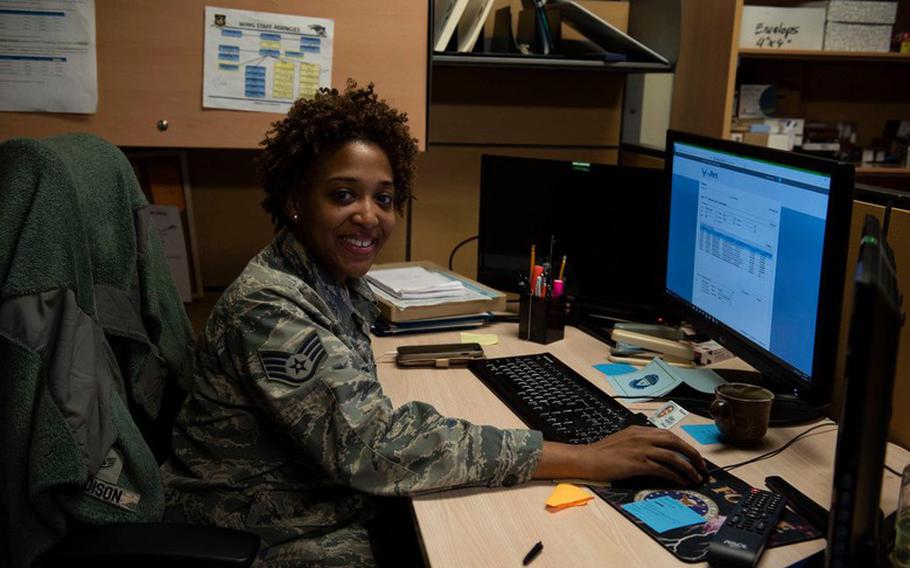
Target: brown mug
{"type": "Point", "coordinates": [741, 411]}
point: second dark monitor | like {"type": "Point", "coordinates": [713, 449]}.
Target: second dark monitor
{"type": "Point", "coordinates": [606, 219]}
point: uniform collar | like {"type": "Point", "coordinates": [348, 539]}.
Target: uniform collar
{"type": "Point", "coordinates": [310, 270]}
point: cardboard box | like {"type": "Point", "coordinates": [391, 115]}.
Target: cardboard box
{"type": "Point", "coordinates": [709, 352]}
{"type": "Point", "coordinates": [859, 25]}
{"type": "Point", "coordinates": [773, 27]}
{"type": "Point", "coordinates": [862, 11]}
{"type": "Point", "coordinates": [756, 138]}
{"type": "Point", "coordinates": [840, 36]}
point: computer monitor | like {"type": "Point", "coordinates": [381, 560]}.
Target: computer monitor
{"type": "Point", "coordinates": [755, 246]}
{"type": "Point", "coordinates": [854, 523]}
{"type": "Point", "coordinates": [605, 219]}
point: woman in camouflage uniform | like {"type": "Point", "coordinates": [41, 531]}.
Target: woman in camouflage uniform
{"type": "Point", "coordinates": [286, 432]}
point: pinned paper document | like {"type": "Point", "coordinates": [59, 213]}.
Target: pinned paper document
{"type": "Point", "coordinates": [566, 495]}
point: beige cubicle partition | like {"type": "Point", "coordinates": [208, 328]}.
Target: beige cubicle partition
{"type": "Point", "coordinates": [150, 55]}
{"type": "Point", "coordinates": [899, 239]}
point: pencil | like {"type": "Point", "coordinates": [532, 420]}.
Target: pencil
{"type": "Point", "coordinates": [562, 267]}
{"type": "Point", "coordinates": [531, 273]}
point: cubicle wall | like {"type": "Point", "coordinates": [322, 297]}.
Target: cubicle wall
{"type": "Point", "coordinates": [150, 68]}
{"type": "Point", "coordinates": [899, 239]}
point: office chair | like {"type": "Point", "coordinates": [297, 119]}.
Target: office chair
{"type": "Point", "coordinates": [94, 352]}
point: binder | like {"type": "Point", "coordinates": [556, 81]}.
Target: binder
{"type": "Point", "coordinates": [446, 15]}
{"type": "Point", "coordinates": [604, 34]}
{"type": "Point", "coordinates": [472, 21]}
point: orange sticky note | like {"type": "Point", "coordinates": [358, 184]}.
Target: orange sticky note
{"type": "Point", "coordinates": [567, 495]}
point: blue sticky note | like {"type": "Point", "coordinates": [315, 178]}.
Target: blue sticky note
{"type": "Point", "coordinates": [705, 434]}
{"type": "Point", "coordinates": [663, 513]}
{"type": "Point", "coordinates": [611, 369]}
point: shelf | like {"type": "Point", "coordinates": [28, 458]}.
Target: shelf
{"type": "Point", "coordinates": [802, 54]}
{"type": "Point", "coordinates": [882, 171]}
{"type": "Point", "coordinates": [534, 62]}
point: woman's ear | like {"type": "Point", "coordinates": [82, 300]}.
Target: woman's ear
{"type": "Point", "coordinates": [291, 211]}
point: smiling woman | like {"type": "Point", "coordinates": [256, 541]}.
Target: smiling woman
{"type": "Point", "coordinates": [286, 432]}
{"type": "Point", "coordinates": [346, 209]}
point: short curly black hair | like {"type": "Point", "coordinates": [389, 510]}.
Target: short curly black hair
{"type": "Point", "coordinates": [317, 126]}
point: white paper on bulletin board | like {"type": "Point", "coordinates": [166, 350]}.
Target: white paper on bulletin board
{"type": "Point", "coordinates": [47, 56]}
{"type": "Point", "coordinates": [263, 62]}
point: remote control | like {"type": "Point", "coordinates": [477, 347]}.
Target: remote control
{"type": "Point", "coordinates": [742, 538]}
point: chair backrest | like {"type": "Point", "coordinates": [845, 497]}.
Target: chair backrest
{"type": "Point", "coordinates": [94, 344]}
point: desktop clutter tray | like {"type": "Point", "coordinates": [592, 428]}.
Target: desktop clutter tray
{"type": "Point", "coordinates": [713, 500]}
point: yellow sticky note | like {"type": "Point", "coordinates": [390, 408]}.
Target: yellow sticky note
{"type": "Point", "coordinates": [481, 338]}
{"type": "Point", "coordinates": [568, 495]}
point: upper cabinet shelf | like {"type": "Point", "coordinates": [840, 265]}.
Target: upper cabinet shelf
{"type": "Point", "coordinates": [537, 62]}
{"type": "Point", "coordinates": [576, 31]}
{"type": "Point", "coordinates": [804, 54]}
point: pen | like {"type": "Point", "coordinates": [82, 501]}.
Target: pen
{"type": "Point", "coordinates": [550, 258]}
{"type": "Point", "coordinates": [562, 267]}
{"type": "Point", "coordinates": [536, 275]}
{"type": "Point", "coordinates": [533, 250]}
{"type": "Point", "coordinates": [532, 554]}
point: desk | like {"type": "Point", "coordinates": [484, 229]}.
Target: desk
{"type": "Point", "coordinates": [496, 527]}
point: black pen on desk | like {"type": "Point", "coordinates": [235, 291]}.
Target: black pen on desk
{"type": "Point", "coordinates": [532, 554]}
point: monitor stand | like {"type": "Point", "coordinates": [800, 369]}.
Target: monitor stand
{"type": "Point", "coordinates": [786, 410]}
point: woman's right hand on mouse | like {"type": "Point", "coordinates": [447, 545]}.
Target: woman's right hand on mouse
{"type": "Point", "coordinates": [633, 451]}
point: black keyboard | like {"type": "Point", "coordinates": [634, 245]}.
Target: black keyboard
{"type": "Point", "coordinates": [549, 396]}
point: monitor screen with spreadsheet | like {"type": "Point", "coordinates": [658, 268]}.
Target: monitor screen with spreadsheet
{"type": "Point", "coordinates": [756, 242]}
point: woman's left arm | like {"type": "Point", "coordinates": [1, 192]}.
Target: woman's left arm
{"type": "Point", "coordinates": [306, 380]}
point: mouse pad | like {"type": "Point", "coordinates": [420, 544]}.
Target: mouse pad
{"type": "Point", "coordinates": [713, 500]}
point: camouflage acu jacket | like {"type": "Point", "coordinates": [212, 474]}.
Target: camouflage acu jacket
{"type": "Point", "coordinates": [287, 432]}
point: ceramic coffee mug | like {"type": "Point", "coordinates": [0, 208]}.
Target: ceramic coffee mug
{"type": "Point", "coordinates": [741, 411]}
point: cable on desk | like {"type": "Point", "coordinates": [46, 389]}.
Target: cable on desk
{"type": "Point", "coordinates": [776, 451]}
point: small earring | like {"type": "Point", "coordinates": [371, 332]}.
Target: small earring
{"type": "Point", "coordinates": [295, 217]}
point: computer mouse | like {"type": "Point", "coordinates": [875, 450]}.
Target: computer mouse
{"type": "Point", "coordinates": [657, 482]}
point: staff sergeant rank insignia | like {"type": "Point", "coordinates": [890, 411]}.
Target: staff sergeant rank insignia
{"type": "Point", "coordinates": [293, 369]}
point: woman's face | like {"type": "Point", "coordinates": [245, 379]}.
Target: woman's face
{"type": "Point", "coordinates": [347, 209]}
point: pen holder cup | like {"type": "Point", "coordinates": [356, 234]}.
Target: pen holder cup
{"type": "Point", "coordinates": [541, 320]}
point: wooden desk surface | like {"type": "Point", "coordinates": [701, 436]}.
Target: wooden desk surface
{"type": "Point", "coordinates": [496, 527]}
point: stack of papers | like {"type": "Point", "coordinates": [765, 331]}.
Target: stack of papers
{"type": "Point", "coordinates": [415, 283]}
{"type": "Point", "coordinates": [423, 291]}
